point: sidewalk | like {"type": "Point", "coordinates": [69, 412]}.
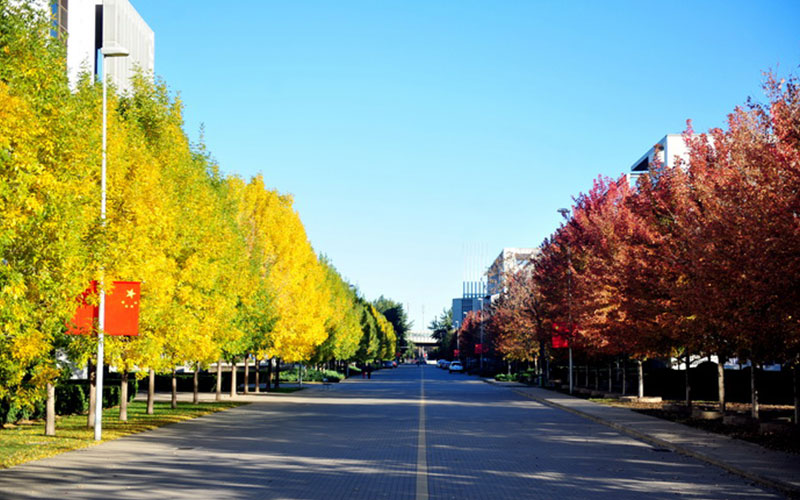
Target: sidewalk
{"type": "Point", "coordinates": [769, 468]}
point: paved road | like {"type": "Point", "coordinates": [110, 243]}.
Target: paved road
{"type": "Point", "coordinates": [410, 433]}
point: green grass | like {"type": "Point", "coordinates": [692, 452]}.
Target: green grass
{"type": "Point", "coordinates": [26, 441]}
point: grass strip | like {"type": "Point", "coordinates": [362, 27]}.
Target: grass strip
{"type": "Point", "coordinates": [26, 441]}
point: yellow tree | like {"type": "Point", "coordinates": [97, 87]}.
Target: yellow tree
{"type": "Point", "coordinates": [294, 277]}
{"type": "Point", "coordinates": [46, 188]}
{"type": "Point", "coordinates": [343, 326]}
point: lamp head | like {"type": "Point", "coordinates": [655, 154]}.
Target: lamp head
{"type": "Point", "coordinates": [114, 51]}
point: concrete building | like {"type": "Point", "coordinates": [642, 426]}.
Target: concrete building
{"type": "Point", "coordinates": [472, 298]}
{"type": "Point", "coordinates": [665, 151]}
{"type": "Point", "coordinates": [89, 25]}
{"type": "Point", "coordinates": [510, 260]}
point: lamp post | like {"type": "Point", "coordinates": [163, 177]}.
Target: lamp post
{"type": "Point", "coordinates": [565, 213]}
{"type": "Point", "coordinates": [113, 51]}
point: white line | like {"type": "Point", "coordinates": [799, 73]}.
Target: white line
{"type": "Point", "coordinates": [422, 455]}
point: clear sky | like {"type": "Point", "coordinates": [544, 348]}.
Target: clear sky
{"type": "Point", "coordinates": [412, 133]}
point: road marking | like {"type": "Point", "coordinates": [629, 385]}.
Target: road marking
{"type": "Point", "coordinates": [422, 455]}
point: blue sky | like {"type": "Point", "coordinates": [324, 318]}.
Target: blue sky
{"type": "Point", "coordinates": [413, 132]}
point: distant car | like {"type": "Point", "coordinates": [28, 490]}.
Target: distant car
{"type": "Point", "coordinates": [443, 363]}
{"type": "Point", "coordinates": [455, 366]}
{"type": "Point", "coordinates": [388, 364]}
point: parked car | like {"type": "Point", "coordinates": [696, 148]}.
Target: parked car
{"type": "Point", "coordinates": [443, 363]}
{"type": "Point", "coordinates": [388, 364]}
{"type": "Point", "coordinates": [455, 366]}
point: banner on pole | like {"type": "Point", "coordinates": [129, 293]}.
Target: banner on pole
{"type": "Point", "coordinates": [85, 318]}
{"type": "Point", "coordinates": [122, 310]}
{"type": "Point", "coordinates": [561, 335]}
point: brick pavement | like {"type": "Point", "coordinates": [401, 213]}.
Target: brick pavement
{"type": "Point", "coordinates": [359, 440]}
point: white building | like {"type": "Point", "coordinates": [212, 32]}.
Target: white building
{"type": "Point", "coordinates": [91, 24]}
{"type": "Point", "coordinates": [666, 151]}
{"type": "Point", "coordinates": [510, 260]}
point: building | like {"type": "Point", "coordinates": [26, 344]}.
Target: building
{"type": "Point", "coordinates": [473, 296]}
{"type": "Point", "coordinates": [510, 260]}
{"type": "Point", "coordinates": [666, 151]}
{"type": "Point", "coordinates": [89, 25]}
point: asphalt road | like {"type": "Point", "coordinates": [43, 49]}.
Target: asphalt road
{"type": "Point", "coordinates": [410, 433]}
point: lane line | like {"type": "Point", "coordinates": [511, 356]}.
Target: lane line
{"type": "Point", "coordinates": [422, 454]}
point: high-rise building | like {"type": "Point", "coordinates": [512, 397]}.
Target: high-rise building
{"type": "Point", "coordinates": [510, 260]}
{"type": "Point", "coordinates": [89, 25]}
{"type": "Point", "coordinates": [666, 152]}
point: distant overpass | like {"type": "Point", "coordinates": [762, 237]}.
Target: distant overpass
{"type": "Point", "coordinates": [424, 341]}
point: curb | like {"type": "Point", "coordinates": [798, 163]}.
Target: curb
{"type": "Point", "coordinates": [787, 489]}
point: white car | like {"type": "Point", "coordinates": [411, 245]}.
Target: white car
{"type": "Point", "coordinates": [456, 366]}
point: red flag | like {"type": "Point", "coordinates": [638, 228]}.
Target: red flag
{"type": "Point", "coordinates": [561, 335]}
{"type": "Point", "coordinates": [560, 341]}
{"type": "Point", "coordinates": [455, 353]}
{"type": "Point", "coordinates": [122, 309]}
{"type": "Point", "coordinates": [85, 316]}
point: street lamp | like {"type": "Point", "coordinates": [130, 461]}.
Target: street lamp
{"type": "Point", "coordinates": [112, 51]}
{"type": "Point", "coordinates": [565, 213]}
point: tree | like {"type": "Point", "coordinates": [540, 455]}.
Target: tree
{"type": "Point", "coordinates": [396, 315]}
{"type": "Point", "coordinates": [443, 331]}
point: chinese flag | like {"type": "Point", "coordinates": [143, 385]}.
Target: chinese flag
{"type": "Point", "coordinates": [122, 309]}
{"type": "Point", "coordinates": [85, 316]}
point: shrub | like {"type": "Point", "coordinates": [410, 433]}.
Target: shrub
{"type": "Point", "coordinates": [312, 375]}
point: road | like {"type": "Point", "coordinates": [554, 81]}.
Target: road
{"type": "Point", "coordinates": [410, 433]}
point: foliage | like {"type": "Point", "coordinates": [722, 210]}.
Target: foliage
{"type": "Point", "coordinates": [700, 258]}
{"type": "Point", "coordinates": [396, 315]}
{"type": "Point", "coordinates": [225, 264]}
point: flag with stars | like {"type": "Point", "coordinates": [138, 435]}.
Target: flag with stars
{"type": "Point", "coordinates": [122, 309]}
{"type": "Point", "coordinates": [83, 322]}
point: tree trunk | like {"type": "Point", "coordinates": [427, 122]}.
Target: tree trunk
{"type": "Point", "coordinates": [640, 377]}
{"type": "Point", "coordinates": [247, 374]}
{"type": "Point", "coordinates": [269, 374]}
{"type": "Point", "coordinates": [196, 384]}
{"type": "Point", "coordinates": [796, 396]}
{"type": "Point", "coordinates": [151, 391]}
{"type": "Point", "coordinates": [610, 378]}
{"type": "Point", "coordinates": [219, 380]}
{"type": "Point", "coordinates": [624, 377]}
{"type": "Point", "coordinates": [233, 377]}
{"type": "Point", "coordinates": [50, 415]}
{"type": "Point", "coordinates": [753, 391]}
{"type": "Point", "coordinates": [277, 373]}
{"type": "Point", "coordinates": [257, 366]}
{"type": "Point", "coordinates": [123, 396]}
{"type": "Point", "coordinates": [721, 383]}
{"type": "Point", "coordinates": [174, 402]}
{"type": "Point", "coordinates": [596, 378]}
{"type": "Point", "coordinates": [688, 382]}
{"type": "Point", "coordinates": [92, 376]}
